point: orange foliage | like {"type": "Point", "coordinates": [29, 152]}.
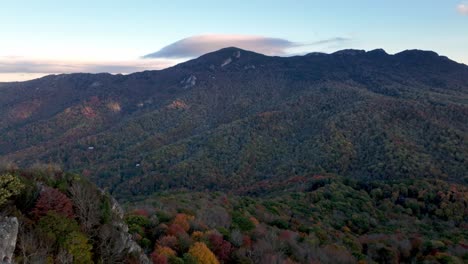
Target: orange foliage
{"type": "Point", "coordinates": [165, 251]}
{"type": "Point", "coordinates": [197, 235]}
{"type": "Point", "coordinates": [254, 221]}
{"type": "Point", "coordinates": [183, 221]}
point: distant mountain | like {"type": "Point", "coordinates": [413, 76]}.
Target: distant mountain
{"type": "Point", "coordinates": [235, 119]}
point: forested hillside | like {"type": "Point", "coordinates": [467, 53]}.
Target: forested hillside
{"type": "Point", "coordinates": [234, 119]}
{"type": "Point", "coordinates": [318, 219]}
{"type": "Point", "coordinates": [62, 218]}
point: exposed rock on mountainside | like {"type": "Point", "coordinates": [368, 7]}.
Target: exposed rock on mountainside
{"type": "Point", "coordinates": [8, 235]}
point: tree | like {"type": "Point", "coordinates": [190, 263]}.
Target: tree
{"type": "Point", "coordinates": [109, 245]}
{"type": "Point", "coordinates": [52, 200]}
{"type": "Point", "coordinates": [221, 248]}
{"type": "Point", "coordinates": [183, 221]}
{"type": "Point", "coordinates": [202, 254]}
{"type": "Point", "coordinates": [31, 248]}
{"type": "Point", "coordinates": [77, 245]}
{"type": "Point", "coordinates": [158, 259]}
{"type": "Point", "coordinates": [10, 185]}
{"type": "Point", "coordinates": [64, 233]}
{"type": "Point", "coordinates": [87, 204]}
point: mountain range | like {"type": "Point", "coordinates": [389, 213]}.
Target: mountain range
{"type": "Point", "coordinates": [234, 120]}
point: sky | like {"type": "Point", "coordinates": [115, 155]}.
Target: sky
{"type": "Point", "coordinates": [41, 37]}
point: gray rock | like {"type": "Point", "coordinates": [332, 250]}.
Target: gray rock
{"type": "Point", "coordinates": [189, 81]}
{"type": "Point", "coordinates": [8, 235]}
{"type": "Point", "coordinates": [126, 241]}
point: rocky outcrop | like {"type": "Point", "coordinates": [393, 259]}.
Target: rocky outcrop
{"type": "Point", "coordinates": [8, 235]}
{"type": "Point", "coordinates": [125, 241]}
{"type": "Point", "coordinates": [189, 82]}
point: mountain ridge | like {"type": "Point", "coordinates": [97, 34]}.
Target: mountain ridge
{"type": "Point", "coordinates": [218, 117]}
{"type": "Point", "coordinates": [224, 51]}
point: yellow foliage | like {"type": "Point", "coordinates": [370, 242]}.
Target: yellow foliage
{"type": "Point", "coordinates": [345, 229]}
{"type": "Point", "coordinates": [202, 254]}
{"type": "Point", "coordinates": [197, 235]}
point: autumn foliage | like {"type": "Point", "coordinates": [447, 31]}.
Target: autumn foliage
{"type": "Point", "coordinates": [221, 248]}
{"type": "Point", "coordinates": [202, 254]}
{"type": "Point", "coordinates": [183, 221]}
{"type": "Point", "coordinates": [52, 200]}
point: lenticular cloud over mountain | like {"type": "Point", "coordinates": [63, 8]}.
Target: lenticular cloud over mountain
{"type": "Point", "coordinates": [197, 45]}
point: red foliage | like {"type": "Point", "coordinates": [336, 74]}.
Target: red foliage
{"type": "Point", "coordinates": [168, 241]}
{"type": "Point", "coordinates": [141, 212]}
{"type": "Point", "coordinates": [53, 200]}
{"type": "Point", "coordinates": [175, 229]}
{"type": "Point", "coordinates": [220, 247]}
{"type": "Point", "coordinates": [247, 241]}
{"type": "Point", "coordinates": [285, 235]}
{"type": "Point", "coordinates": [158, 259]}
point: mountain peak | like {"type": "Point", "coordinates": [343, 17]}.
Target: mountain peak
{"type": "Point", "coordinates": [224, 57]}
{"type": "Point", "coordinates": [417, 52]}
{"type": "Point", "coordinates": [349, 52]}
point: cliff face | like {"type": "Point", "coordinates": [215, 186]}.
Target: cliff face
{"type": "Point", "coordinates": [125, 240]}
{"type": "Point", "coordinates": [8, 235]}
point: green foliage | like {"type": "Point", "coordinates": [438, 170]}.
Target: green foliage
{"type": "Point", "coordinates": [78, 246]}
{"type": "Point", "coordinates": [10, 186]}
{"type": "Point", "coordinates": [177, 260]}
{"type": "Point", "coordinates": [57, 227]}
{"type": "Point", "coordinates": [189, 259]}
{"type": "Point", "coordinates": [280, 224]}
{"type": "Point", "coordinates": [137, 223]}
{"type": "Point", "coordinates": [242, 222]}
{"type": "Point", "coordinates": [106, 210]}
{"type": "Point", "coordinates": [357, 116]}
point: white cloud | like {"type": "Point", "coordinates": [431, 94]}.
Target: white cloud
{"type": "Point", "coordinates": [463, 9]}
{"type": "Point", "coordinates": [195, 46]}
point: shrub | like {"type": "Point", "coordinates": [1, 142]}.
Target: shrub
{"type": "Point", "coordinates": [10, 185]}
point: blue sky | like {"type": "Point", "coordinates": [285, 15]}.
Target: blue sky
{"type": "Point", "coordinates": [42, 37]}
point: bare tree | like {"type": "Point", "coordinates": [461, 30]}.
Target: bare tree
{"type": "Point", "coordinates": [63, 257]}
{"type": "Point", "coordinates": [87, 205]}
{"type": "Point", "coordinates": [30, 247]}
{"type": "Point", "coordinates": [111, 245]}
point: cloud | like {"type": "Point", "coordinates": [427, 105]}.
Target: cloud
{"type": "Point", "coordinates": [16, 68]}
{"type": "Point", "coordinates": [337, 40]}
{"type": "Point", "coordinates": [23, 65]}
{"type": "Point", "coordinates": [195, 46]}
{"type": "Point", "coordinates": [463, 9]}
